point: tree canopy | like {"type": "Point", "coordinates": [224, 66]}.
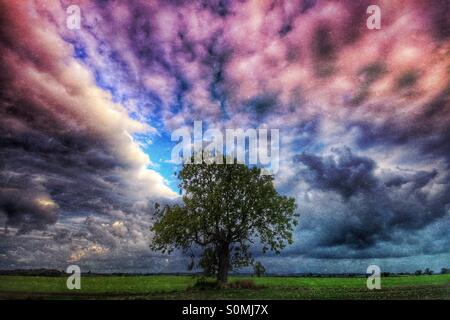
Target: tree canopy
{"type": "Point", "coordinates": [227, 208]}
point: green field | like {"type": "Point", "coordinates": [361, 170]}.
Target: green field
{"type": "Point", "coordinates": [181, 287]}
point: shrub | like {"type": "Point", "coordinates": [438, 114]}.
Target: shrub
{"type": "Point", "coordinates": [259, 269]}
{"type": "Point", "coordinates": [203, 283]}
{"type": "Point", "coordinates": [241, 284]}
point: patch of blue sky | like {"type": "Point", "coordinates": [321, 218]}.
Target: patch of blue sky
{"type": "Point", "coordinates": [79, 50]}
{"type": "Point", "coordinates": [160, 151]}
{"type": "Point", "coordinates": [116, 80]}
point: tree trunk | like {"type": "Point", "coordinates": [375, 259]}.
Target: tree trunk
{"type": "Point", "coordinates": [224, 263]}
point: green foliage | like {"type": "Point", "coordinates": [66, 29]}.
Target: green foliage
{"type": "Point", "coordinates": [203, 283]}
{"type": "Point", "coordinates": [428, 271]}
{"type": "Point", "coordinates": [226, 207]}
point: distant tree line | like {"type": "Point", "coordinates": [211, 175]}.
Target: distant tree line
{"type": "Point", "coordinates": [445, 271]}
{"type": "Point", "coordinates": [428, 271]}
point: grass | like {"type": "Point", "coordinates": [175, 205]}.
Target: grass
{"type": "Point", "coordinates": [182, 287]}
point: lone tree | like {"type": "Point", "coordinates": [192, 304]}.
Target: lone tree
{"type": "Point", "coordinates": [259, 269]}
{"type": "Point", "coordinates": [226, 207]}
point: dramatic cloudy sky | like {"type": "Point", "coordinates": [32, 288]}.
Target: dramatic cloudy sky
{"type": "Point", "coordinates": [86, 117]}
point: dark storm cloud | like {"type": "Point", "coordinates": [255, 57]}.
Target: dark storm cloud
{"type": "Point", "coordinates": [441, 20]}
{"type": "Point", "coordinates": [27, 209]}
{"type": "Point", "coordinates": [262, 105]}
{"type": "Point", "coordinates": [344, 173]}
{"type": "Point", "coordinates": [65, 147]}
{"type": "Point", "coordinates": [219, 7]}
{"type": "Point", "coordinates": [63, 236]}
{"type": "Point", "coordinates": [75, 167]}
{"type": "Point", "coordinates": [425, 135]}
{"type": "Point", "coordinates": [387, 207]}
